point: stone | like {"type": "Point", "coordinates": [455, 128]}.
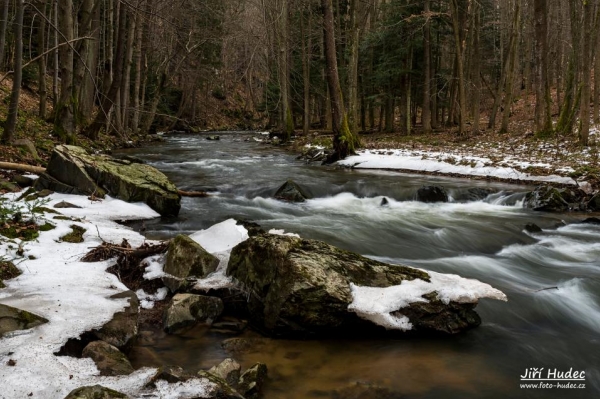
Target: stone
{"type": "Point", "coordinates": [65, 204]}
{"type": "Point", "coordinates": [171, 374]}
{"type": "Point", "coordinates": [228, 370]}
{"type": "Point", "coordinates": [123, 328]}
{"type": "Point", "coordinates": [431, 194]}
{"type": "Point", "coordinates": [290, 191]}
{"type": "Point", "coordinates": [28, 146]}
{"type": "Point", "coordinates": [552, 199]}
{"type": "Point", "coordinates": [6, 186]}
{"type": "Point", "coordinates": [213, 138]}
{"type": "Point", "coordinates": [13, 319]}
{"type": "Point", "coordinates": [189, 309]}
{"type": "Point", "coordinates": [241, 345]}
{"type": "Point", "coordinates": [23, 181]}
{"type": "Point", "coordinates": [384, 202]}
{"type": "Point", "coordinates": [221, 390]}
{"type": "Point", "coordinates": [533, 228]}
{"type": "Point", "coordinates": [594, 203]}
{"type": "Point", "coordinates": [109, 360]}
{"type": "Point", "coordinates": [186, 258]}
{"type": "Point", "coordinates": [252, 381]}
{"type": "Point", "coordinates": [591, 221]}
{"type": "Point", "coordinates": [8, 271]}
{"type": "Point", "coordinates": [95, 392]}
{"type": "Point", "coordinates": [72, 170]}
{"type": "Point", "coordinates": [479, 193]}
{"type": "Point", "coordinates": [301, 288]}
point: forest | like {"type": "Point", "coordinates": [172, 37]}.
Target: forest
{"type": "Point", "coordinates": [129, 67]}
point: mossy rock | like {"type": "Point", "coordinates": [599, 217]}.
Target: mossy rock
{"type": "Point", "coordinates": [72, 170]}
{"type": "Point", "coordinates": [95, 392]}
{"type": "Point", "coordinates": [109, 360]}
{"type": "Point", "coordinates": [75, 236]}
{"type": "Point", "coordinates": [185, 258]}
{"type": "Point", "coordinates": [8, 270]}
{"type": "Point", "coordinates": [13, 319]}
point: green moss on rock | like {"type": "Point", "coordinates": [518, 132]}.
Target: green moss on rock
{"type": "Point", "coordinates": [75, 236]}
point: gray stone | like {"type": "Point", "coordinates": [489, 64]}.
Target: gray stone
{"type": "Point", "coordinates": [189, 309]}
{"type": "Point", "coordinates": [241, 345]}
{"type": "Point", "coordinates": [95, 392]}
{"type": "Point", "coordinates": [123, 327]}
{"type": "Point", "coordinates": [64, 205]}
{"type": "Point", "coordinates": [252, 381]}
{"type": "Point", "coordinates": [28, 146]}
{"type": "Point", "coordinates": [299, 287]}
{"type": "Point", "coordinates": [594, 203]}
{"type": "Point", "coordinates": [187, 258]}
{"type": "Point", "coordinates": [292, 192]}
{"type": "Point", "coordinates": [431, 194]}
{"type": "Point", "coordinates": [552, 199]}
{"type": "Point", "coordinates": [13, 319]}
{"type": "Point", "coordinates": [72, 170]}
{"type": "Point", "coordinates": [8, 271]}
{"type": "Point", "coordinates": [23, 181]}
{"type": "Point", "coordinates": [213, 138]}
{"type": "Point", "coordinates": [220, 390]}
{"type": "Point", "coordinates": [171, 374]}
{"type": "Point", "coordinates": [109, 360]}
{"type": "Point", "coordinates": [228, 370]}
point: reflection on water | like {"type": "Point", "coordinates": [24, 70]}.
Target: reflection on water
{"type": "Point", "coordinates": [552, 278]}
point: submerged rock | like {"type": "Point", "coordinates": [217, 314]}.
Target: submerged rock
{"type": "Point", "coordinates": [292, 192]}
{"type": "Point", "coordinates": [95, 392]}
{"type": "Point", "coordinates": [220, 389]}
{"type": "Point", "coordinates": [305, 288]}
{"type": "Point", "coordinates": [533, 228]}
{"type": "Point", "coordinates": [109, 360]}
{"type": "Point", "coordinates": [552, 199]}
{"type": "Point", "coordinates": [13, 319]}
{"type": "Point", "coordinates": [189, 309]}
{"type": "Point", "coordinates": [187, 258]}
{"type": "Point", "coordinates": [213, 138]}
{"type": "Point", "coordinates": [72, 170]}
{"type": "Point", "coordinates": [432, 194]}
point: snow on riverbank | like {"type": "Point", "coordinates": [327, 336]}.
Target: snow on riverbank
{"type": "Point", "coordinates": [74, 297]}
{"type": "Point", "coordinates": [448, 163]}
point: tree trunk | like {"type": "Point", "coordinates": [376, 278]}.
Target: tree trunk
{"type": "Point", "coordinates": [13, 108]}
{"type": "Point", "coordinates": [135, 115]}
{"type": "Point", "coordinates": [126, 87]}
{"type": "Point", "coordinates": [476, 69]}
{"type": "Point", "coordinates": [426, 112]}
{"type": "Point", "coordinates": [3, 25]}
{"type": "Point", "coordinates": [584, 131]}
{"type": "Point", "coordinates": [306, 62]}
{"type": "Point", "coordinates": [510, 78]}
{"type": "Point", "coordinates": [462, 98]}
{"type": "Point", "coordinates": [64, 122]}
{"type": "Point", "coordinates": [41, 36]}
{"type": "Point", "coordinates": [111, 97]}
{"type": "Point", "coordinates": [543, 115]}
{"type": "Point", "coordinates": [344, 140]}
{"type": "Point", "coordinates": [354, 41]}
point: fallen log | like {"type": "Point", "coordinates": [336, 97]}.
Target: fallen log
{"type": "Point", "coordinates": [197, 194]}
{"type": "Point", "coordinates": [22, 167]}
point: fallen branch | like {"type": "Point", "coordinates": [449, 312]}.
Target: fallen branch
{"type": "Point", "coordinates": [22, 167]}
{"type": "Point", "coordinates": [198, 194]}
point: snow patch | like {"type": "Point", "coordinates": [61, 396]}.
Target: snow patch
{"type": "Point", "coordinates": [283, 233]}
{"type": "Point", "coordinates": [377, 304]}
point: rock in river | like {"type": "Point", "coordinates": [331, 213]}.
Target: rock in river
{"type": "Point", "coordinates": [298, 287]}
{"type": "Point", "coordinates": [187, 258]}
{"type": "Point", "coordinates": [189, 309]}
{"type": "Point", "coordinates": [432, 194]}
{"type": "Point", "coordinates": [72, 170]}
{"type": "Point", "coordinates": [292, 192]}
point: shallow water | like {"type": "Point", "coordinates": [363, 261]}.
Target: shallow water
{"type": "Point", "coordinates": [552, 278]}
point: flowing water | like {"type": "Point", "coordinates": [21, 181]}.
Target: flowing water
{"type": "Point", "coordinates": [552, 278]}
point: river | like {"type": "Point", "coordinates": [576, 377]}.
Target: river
{"type": "Point", "coordinates": [552, 278]}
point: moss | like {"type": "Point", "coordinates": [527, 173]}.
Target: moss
{"type": "Point", "coordinates": [75, 236]}
{"type": "Point", "coordinates": [15, 231]}
{"type": "Point", "coordinates": [43, 209]}
{"type": "Point", "coordinates": [47, 227]}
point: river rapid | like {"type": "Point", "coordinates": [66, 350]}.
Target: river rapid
{"type": "Point", "coordinates": [552, 278]}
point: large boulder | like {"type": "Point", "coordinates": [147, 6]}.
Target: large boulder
{"type": "Point", "coordinates": [72, 170]}
{"type": "Point", "coordinates": [432, 194]}
{"type": "Point", "coordinates": [123, 327]}
{"type": "Point", "coordinates": [187, 258]}
{"type": "Point", "coordinates": [252, 381]}
{"type": "Point", "coordinates": [292, 192]}
{"type": "Point", "coordinates": [13, 319]}
{"type": "Point", "coordinates": [228, 370]}
{"type": "Point", "coordinates": [305, 288]}
{"type": "Point", "coordinates": [95, 392]}
{"type": "Point", "coordinates": [189, 309]}
{"type": "Point", "coordinates": [552, 199]}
